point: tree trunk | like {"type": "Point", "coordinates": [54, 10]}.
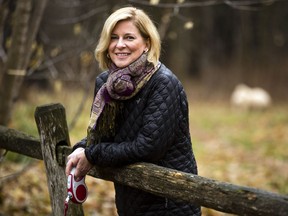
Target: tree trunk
{"type": "Point", "coordinates": [3, 16]}
{"type": "Point", "coordinates": [27, 21]}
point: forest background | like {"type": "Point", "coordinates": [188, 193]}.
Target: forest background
{"type": "Point", "coordinates": [47, 56]}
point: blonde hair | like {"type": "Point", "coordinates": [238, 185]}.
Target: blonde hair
{"type": "Point", "coordinates": [145, 26]}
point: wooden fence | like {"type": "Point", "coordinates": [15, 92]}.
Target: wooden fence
{"type": "Point", "coordinates": [54, 146]}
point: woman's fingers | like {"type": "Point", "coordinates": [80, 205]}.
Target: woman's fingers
{"type": "Point", "coordinates": [73, 159]}
{"type": "Point", "coordinates": [78, 160]}
{"type": "Point", "coordinates": [75, 153]}
{"type": "Point", "coordinates": [82, 167]}
{"type": "Point", "coordinates": [69, 167]}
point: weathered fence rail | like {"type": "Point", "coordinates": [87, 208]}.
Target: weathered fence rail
{"type": "Point", "coordinates": [55, 146]}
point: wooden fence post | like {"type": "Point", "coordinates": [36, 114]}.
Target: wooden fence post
{"type": "Point", "coordinates": [53, 132]}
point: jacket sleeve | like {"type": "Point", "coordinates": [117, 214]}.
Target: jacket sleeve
{"type": "Point", "coordinates": [153, 138]}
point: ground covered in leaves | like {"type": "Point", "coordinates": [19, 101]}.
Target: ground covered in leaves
{"type": "Point", "coordinates": [241, 147]}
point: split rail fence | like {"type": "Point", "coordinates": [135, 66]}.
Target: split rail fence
{"type": "Point", "coordinates": [54, 146]}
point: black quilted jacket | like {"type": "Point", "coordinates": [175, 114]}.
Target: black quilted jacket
{"type": "Point", "coordinates": [153, 127]}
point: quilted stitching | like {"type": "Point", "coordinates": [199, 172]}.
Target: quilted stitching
{"type": "Point", "coordinates": [153, 128]}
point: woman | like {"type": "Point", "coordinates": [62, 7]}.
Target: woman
{"type": "Point", "coordinates": [139, 114]}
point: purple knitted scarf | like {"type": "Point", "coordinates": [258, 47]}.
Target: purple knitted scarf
{"type": "Point", "coordinates": [122, 84]}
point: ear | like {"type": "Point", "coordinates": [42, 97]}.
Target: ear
{"type": "Point", "coordinates": [147, 45]}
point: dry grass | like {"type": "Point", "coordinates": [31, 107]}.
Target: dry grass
{"type": "Point", "coordinates": [245, 148]}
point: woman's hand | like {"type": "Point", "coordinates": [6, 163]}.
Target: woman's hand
{"type": "Point", "coordinates": [78, 160]}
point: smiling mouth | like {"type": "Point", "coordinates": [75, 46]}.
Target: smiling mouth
{"type": "Point", "coordinates": [122, 54]}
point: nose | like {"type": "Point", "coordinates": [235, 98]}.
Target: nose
{"type": "Point", "coordinates": [120, 43]}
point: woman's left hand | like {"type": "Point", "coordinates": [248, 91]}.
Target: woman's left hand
{"type": "Point", "coordinates": [78, 160]}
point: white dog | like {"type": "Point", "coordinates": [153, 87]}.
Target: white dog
{"type": "Point", "coordinates": [248, 98]}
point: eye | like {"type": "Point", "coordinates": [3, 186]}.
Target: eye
{"type": "Point", "coordinates": [114, 37]}
{"type": "Point", "coordinates": [129, 37]}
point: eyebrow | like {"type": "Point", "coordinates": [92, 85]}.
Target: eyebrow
{"type": "Point", "coordinates": [129, 33]}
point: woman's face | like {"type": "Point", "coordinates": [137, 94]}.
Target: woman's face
{"type": "Point", "coordinates": [126, 44]}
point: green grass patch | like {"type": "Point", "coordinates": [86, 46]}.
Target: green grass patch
{"type": "Point", "coordinates": [241, 147]}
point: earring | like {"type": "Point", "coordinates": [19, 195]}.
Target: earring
{"type": "Point", "coordinates": [108, 56]}
{"type": "Point", "coordinates": [146, 50]}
